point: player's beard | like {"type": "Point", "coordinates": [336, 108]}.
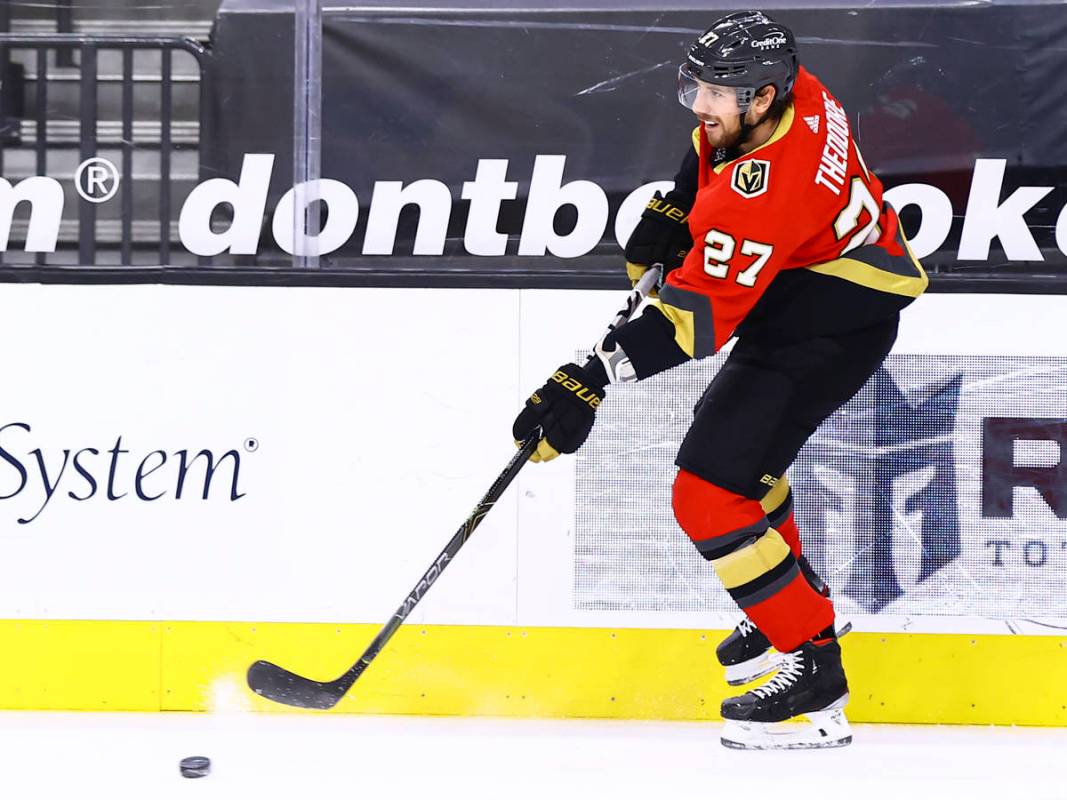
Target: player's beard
{"type": "Point", "coordinates": [719, 138]}
{"type": "Point", "coordinates": [738, 134]}
{"type": "Point", "coordinates": [737, 138]}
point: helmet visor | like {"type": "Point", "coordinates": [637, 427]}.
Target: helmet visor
{"type": "Point", "coordinates": [711, 98]}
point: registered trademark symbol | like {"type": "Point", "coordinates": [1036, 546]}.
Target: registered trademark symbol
{"type": "Point", "coordinates": [97, 180]}
{"type": "Point", "coordinates": [251, 445]}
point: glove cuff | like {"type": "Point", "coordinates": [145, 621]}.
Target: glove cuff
{"type": "Point", "coordinates": [635, 271]}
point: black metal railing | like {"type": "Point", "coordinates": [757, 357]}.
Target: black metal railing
{"type": "Point", "coordinates": [64, 16]}
{"type": "Point", "coordinates": [64, 24]}
{"type": "Point", "coordinates": [5, 67]}
{"type": "Point", "coordinates": [88, 48]}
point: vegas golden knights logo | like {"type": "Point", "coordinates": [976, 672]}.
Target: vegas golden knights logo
{"type": "Point", "coordinates": [750, 177]}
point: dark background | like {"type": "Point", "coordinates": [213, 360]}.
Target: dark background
{"type": "Point", "coordinates": [424, 94]}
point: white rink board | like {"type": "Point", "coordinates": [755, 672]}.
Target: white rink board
{"type": "Point", "coordinates": [381, 416]}
{"type": "Point", "coordinates": [357, 399]}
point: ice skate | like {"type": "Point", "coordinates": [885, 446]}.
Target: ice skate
{"type": "Point", "coordinates": [747, 654]}
{"type": "Point", "coordinates": [810, 683]}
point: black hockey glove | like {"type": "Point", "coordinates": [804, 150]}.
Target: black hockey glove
{"type": "Point", "coordinates": [564, 409]}
{"type": "Point", "coordinates": [661, 236]}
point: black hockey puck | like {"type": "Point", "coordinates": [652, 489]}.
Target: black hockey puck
{"type": "Point", "coordinates": [195, 766]}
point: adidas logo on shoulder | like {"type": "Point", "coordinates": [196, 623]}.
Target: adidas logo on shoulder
{"type": "Point", "coordinates": [813, 122]}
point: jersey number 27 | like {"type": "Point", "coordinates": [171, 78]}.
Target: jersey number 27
{"type": "Point", "coordinates": [719, 248]}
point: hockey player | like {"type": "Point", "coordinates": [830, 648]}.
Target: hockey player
{"type": "Point", "coordinates": [776, 233]}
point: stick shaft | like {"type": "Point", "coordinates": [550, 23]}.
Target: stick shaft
{"type": "Point", "coordinates": [457, 541]}
{"type": "Point", "coordinates": [503, 480]}
{"type": "Point", "coordinates": [287, 687]}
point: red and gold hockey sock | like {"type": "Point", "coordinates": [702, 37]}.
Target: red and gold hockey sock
{"type": "Point", "coordinates": [756, 562]}
{"type": "Point", "coordinates": [777, 504]}
{"type": "Point", "coordinates": [765, 580]}
{"type": "Point", "coordinates": [716, 520]}
{"type": "Point", "coordinates": [791, 533]}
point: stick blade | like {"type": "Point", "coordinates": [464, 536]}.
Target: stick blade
{"type": "Point", "coordinates": [282, 686]}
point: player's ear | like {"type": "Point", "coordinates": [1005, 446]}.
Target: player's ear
{"type": "Point", "coordinates": [765, 98]}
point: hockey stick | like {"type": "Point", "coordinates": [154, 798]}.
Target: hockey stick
{"type": "Point", "coordinates": [282, 686]}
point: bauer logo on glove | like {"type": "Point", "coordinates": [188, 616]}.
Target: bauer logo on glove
{"type": "Point", "coordinates": [665, 208]}
{"type": "Point", "coordinates": [574, 385]}
{"type": "Point", "coordinates": [564, 409]}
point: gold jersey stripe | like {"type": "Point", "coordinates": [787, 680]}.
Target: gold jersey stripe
{"type": "Point", "coordinates": [684, 325]}
{"type": "Point", "coordinates": [909, 279]}
{"type": "Point", "coordinates": [694, 323]}
{"type": "Point", "coordinates": [750, 562]}
{"type": "Point", "coordinates": [907, 249]}
{"type": "Point", "coordinates": [864, 274]}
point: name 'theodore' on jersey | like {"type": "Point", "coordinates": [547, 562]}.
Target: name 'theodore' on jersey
{"type": "Point", "coordinates": [791, 240]}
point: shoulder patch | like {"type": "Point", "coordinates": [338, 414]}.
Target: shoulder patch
{"type": "Point", "coordinates": [813, 122]}
{"type": "Point", "coordinates": [751, 177]}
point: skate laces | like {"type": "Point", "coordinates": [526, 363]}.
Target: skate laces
{"type": "Point", "coordinates": [790, 668]}
{"type": "Point", "coordinates": [745, 627]}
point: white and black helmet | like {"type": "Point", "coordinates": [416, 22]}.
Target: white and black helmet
{"type": "Point", "coordinates": [747, 50]}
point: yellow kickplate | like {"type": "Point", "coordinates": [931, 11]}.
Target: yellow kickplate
{"type": "Point", "coordinates": [523, 672]}
{"type": "Point", "coordinates": [956, 678]}
{"type": "Point", "coordinates": [80, 665]}
{"type": "Point", "coordinates": [461, 670]}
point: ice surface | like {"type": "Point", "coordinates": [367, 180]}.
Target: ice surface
{"type": "Point", "coordinates": [123, 755]}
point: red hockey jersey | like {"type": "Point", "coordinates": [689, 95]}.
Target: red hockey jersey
{"type": "Point", "coordinates": [804, 200]}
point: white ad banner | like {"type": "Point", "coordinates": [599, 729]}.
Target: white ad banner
{"type": "Point", "coordinates": [303, 454]}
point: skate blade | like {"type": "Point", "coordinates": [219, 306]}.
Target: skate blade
{"type": "Point", "coordinates": [825, 729]}
{"type": "Point", "coordinates": [753, 669]}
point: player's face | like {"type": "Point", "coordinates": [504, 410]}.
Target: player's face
{"type": "Point", "coordinates": [716, 107]}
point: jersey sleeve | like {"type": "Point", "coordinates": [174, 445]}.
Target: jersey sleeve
{"type": "Point", "coordinates": [703, 301]}
{"type": "Point", "coordinates": [648, 340]}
